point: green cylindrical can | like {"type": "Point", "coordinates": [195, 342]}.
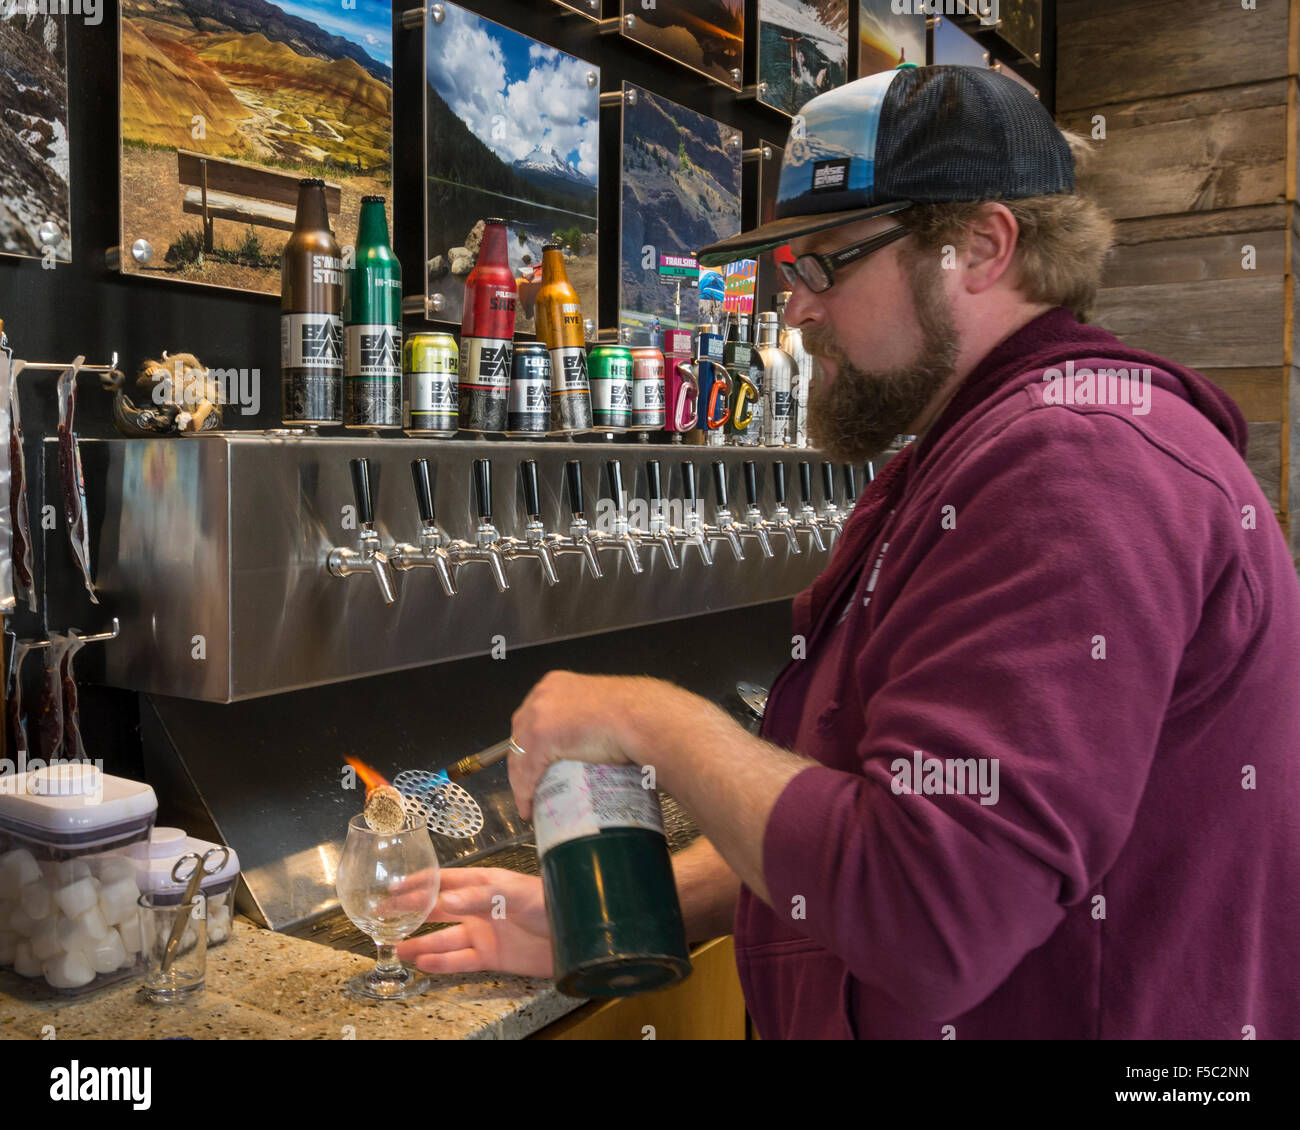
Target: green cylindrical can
{"type": "Point", "coordinates": [430, 394]}
{"type": "Point", "coordinates": [611, 900]}
{"type": "Point", "coordinates": [372, 326]}
{"type": "Point", "coordinates": [609, 369]}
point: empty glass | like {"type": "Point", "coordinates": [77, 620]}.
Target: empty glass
{"type": "Point", "coordinates": [174, 975]}
{"type": "Point", "coordinates": [372, 865]}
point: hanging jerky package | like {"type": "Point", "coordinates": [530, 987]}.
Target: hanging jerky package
{"type": "Point", "coordinates": [49, 711]}
{"type": "Point", "coordinates": [14, 719]}
{"type": "Point", "coordinates": [7, 602]}
{"type": "Point", "coordinates": [73, 748]}
{"type": "Point", "coordinates": [19, 526]}
{"type": "Point", "coordinates": [74, 484]}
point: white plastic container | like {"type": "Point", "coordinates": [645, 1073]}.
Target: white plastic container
{"type": "Point", "coordinates": [166, 846]}
{"type": "Point", "coordinates": [70, 838]}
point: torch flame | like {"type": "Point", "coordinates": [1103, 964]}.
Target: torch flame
{"type": "Point", "coordinates": [373, 780]}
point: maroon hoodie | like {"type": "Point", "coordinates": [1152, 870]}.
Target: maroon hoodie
{"type": "Point", "coordinates": [1052, 678]}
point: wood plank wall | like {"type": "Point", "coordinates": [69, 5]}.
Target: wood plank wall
{"type": "Point", "coordinates": [1198, 167]}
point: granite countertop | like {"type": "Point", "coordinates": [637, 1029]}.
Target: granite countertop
{"type": "Point", "coordinates": [262, 985]}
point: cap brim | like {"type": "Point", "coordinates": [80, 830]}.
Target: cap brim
{"type": "Point", "coordinates": [750, 244]}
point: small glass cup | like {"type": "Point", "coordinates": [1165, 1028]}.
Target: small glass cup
{"type": "Point", "coordinates": [177, 975]}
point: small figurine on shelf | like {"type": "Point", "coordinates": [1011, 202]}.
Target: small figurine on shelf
{"type": "Point", "coordinates": [183, 396]}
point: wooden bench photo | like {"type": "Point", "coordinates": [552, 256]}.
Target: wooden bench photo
{"type": "Point", "coordinates": [220, 189]}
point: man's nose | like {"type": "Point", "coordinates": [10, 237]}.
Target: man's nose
{"type": "Point", "coordinates": [803, 309]}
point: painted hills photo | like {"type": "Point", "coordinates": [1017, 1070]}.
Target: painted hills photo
{"type": "Point", "coordinates": [249, 96]}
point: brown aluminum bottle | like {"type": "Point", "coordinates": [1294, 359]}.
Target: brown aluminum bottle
{"type": "Point", "coordinates": [311, 314]}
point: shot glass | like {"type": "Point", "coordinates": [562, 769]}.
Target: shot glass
{"type": "Point", "coordinates": [177, 975]}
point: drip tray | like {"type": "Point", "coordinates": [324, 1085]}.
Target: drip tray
{"type": "Point", "coordinates": [505, 846]}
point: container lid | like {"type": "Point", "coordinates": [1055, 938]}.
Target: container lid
{"type": "Point", "coordinates": [156, 874]}
{"type": "Point", "coordinates": [74, 801]}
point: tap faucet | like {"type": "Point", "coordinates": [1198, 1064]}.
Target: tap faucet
{"type": "Point", "coordinates": [808, 522]}
{"type": "Point", "coordinates": [755, 525]}
{"type": "Point", "coordinates": [831, 518]}
{"type": "Point", "coordinates": [534, 543]}
{"type": "Point", "coordinates": [850, 488]}
{"type": "Point", "coordinates": [724, 528]}
{"type": "Point", "coordinates": [486, 546]}
{"type": "Point", "coordinates": [781, 519]}
{"type": "Point", "coordinates": [659, 529]}
{"type": "Point", "coordinates": [693, 532]}
{"type": "Point", "coordinates": [431, 553]}
{"type": "Point", "coordinates": [581, 538]}
{"type": "Point", "coordinates": [624, 539]}
{"type": "Point", "coordinates": [368, 557]}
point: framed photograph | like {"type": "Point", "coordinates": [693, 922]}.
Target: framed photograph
{"type": "Point", "coordinates": [225, 107]}
{"type": "Point", "coordinates": [35, 214]}
{"type": "Point", "coordinates": [803, 50]}
{"type": "Point", "coordinates": [770, 283]}
{"type": "Point", "coordinates": [1003, 69]}
{"type": "Point", "coordinates": [512, 130]}
{"type": "Point", "coordinates": [1020, 23]}
{"type": "Point", "coordinates": [952, 45]}
{"type": "Point", "coordinates": [706, 35]}
{"type": "Point", "coordinates": [681, 177]}
{"type": "Point", "coordinates": [887, 38]}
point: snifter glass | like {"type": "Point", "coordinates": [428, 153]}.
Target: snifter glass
{"type": "Point", "coordinates": [371, 869]}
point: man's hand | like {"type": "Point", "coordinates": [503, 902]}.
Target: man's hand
{"type": "Point", "coordinates": [501, 924]}
{"type": "Point", "coordinates": [597, 718]}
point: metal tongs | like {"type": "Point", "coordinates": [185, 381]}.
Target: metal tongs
{"type": "Point", "coordinates": [195, 878]}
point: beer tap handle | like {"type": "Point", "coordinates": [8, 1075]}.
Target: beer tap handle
{"type": "Point", "coordinates": [805, 482]}
{"type": "Point", "coordinates": [532, 499]}
{"type": "Point", "coordinates": [423, 489]}
{"type": "Point", "coordinates": [778, 481]}
{"type": "Point", "coordinates": [751, 483]}
{"type": "Point", "coordinates": [653, 481]}
{"type": "Point", "coordinates": [720, 482]}
{"type": "Point", "coordinates": [828, 480]}
{"type": "Point", "coordinates": [688, 483]}
{"type": "Point", "coordinates": [483, 488]}
{"type": "Point", "coordinates": [850, 483]}
{"type": "Point", "coordinates": [573, 476]}
{"type": "Point", "coordinates": [616, 482]}
{"type": "Point", "coordinates": [361, 490]}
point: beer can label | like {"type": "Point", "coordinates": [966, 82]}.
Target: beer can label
{"type": "Point", "coordinates": [570, 390]}
{"type": "Point", "coordinates": [611, 392]}
{"type": "Point", "coordinates": [648, 395]}
{"type": "Point", "coordinates": [311, 368]}
{"type": "Point", "coordinates": [529, 405]}
{"type": "Point", "coordinates": [372, 386]}
{"type": "Point", "coordinates": [576, 798]}
{"type": "Point", "coordinates": [431, 402]}
{"type": "Point", "coordinates": [485, 383]}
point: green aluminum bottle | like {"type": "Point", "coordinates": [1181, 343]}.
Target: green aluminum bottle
{"type": "Point", "coordinates": [611, 899]}
{"type": "Point", "coordinates": [372, 326]}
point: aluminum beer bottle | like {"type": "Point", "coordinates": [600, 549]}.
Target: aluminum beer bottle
{"type": "Point", "coordinates": [805, 365]}
{"type": "Point", "coordinates": [746, 368]}
{"type": "Point", "coordinates": [311, 308]}
{"type": "Point", "coordinates": [559, 325]}
{"type": "Point", "coordinates": [611, 900]}
{"type": "Point", "coordinates": [778, 375]}
{"type": "Point", "coordinates": [372, 326]}
{"type": "Point", "coordinates": [487, 331]}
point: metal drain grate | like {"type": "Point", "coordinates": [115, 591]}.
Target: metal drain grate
{"type": "Point", "coordinates": [446, 807]}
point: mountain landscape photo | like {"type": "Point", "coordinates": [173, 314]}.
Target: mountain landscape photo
{"type": "Point", "coordinates": [511, 131]}
{"type": "Point", "coordinates": [803, 50]}
{"type": "Point", "coordinates": [680, 191]}
{"type": "Point", "coordinates": [301, 87]}
{"type": "Point", "coordinates": [33, 135]}
{"type": "Point", "coordinates": [706, 35]}
{"type": "Point", "coordinates": [887, 38]}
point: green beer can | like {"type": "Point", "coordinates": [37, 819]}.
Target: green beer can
{"type": "Point", "coordinates": [430, 393]}
{"type": "Point", "coordinates": [609, 369]}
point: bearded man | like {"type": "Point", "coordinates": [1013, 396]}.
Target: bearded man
{"type": "Point", "coordinates": [1034, 775]}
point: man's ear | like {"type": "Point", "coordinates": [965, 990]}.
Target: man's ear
{"type": "Point", "coordinates": [990, 247]}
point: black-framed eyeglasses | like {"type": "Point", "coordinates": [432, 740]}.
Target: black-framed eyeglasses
{"type": "Point", "coordinates": [817, 271]}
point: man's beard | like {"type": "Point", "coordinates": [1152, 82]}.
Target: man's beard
{"type": "Point", "coordinates": [854, 416]}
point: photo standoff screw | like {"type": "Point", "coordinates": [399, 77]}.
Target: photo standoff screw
{"type": "Point", "coordinates": [141, 252]}
{"type": "Point", "coordinates": [437, 13]}
{"type": "Point", "coordinates": [49, 232]}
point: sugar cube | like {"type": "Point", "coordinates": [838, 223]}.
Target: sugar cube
{"type": "Point", "coordinates": [114, 867]}
{"type": "Point", "coordinates": [68, 970]}
{"type": "Point", "coordinates": [45, 940]}
{"type": "Point", "coordinates": [8, 946]}
{"type": "Point", "coordinates": [130, 934]}
{"type": "Point", "coordinates": [36, 900]}
{"type": "Point", "coordinates": [20, 922]}
{"type": "Point", "coordinates": [25, 962]}
{"type": "Point", "coordinates": [118, 899]}
{"type": "Point", "coordinates": [109, 954]}
{"type": "Point", "coordinates": [77, 897]}
{"type": "Point", "coordinates": [84, 931]}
